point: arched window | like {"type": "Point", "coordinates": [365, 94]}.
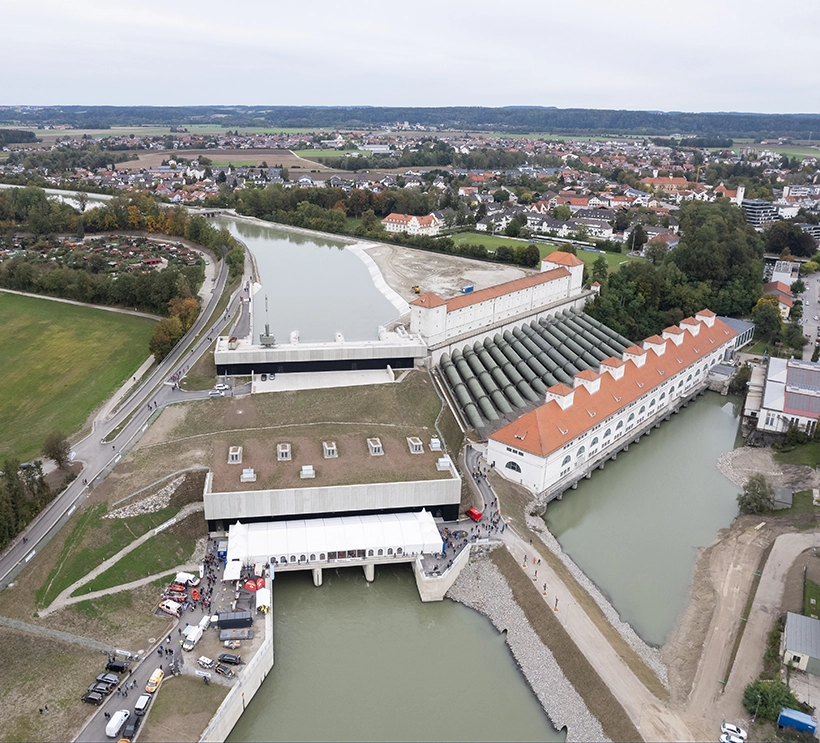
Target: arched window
{"type": "Point", "coordinates": [399, 551]}
{"type": "Point", "coordinates": [322, 556]}
{"type": "Point", "coordinates": [642, 410]}
{"type": "Point", "coordinates": [370, 553]}
{"type": "Point", "coordinates": [283, 561]}
{"type": "Point", "coordinates": [293, 558]}
{"type": "Point", "coordinates": [631, 417]}
{"type": "Point", "coordinates": [608, 432]}
{"type": "Point", "coordinates": [380, 553]}
{"type": "Point", "coordinates": [513, 466]}
{"type": "Point", "coordinates": [594, 441]}
{"type": "Point", "coordinates": [567, 460]}
{"type": "Point", "coordinates": [302, 558]}
{"type": "Point", "coordinates": [651, 403]}
{"type": "Point", "coordinates": [581, 451]}
{"type": "Point", "coordinates": [663, 394]}
{"type": "Point", "coordinates": [689, 378]}
{"type": "Point", "coordinates": [680, 384]}
{"type": "Point", "coordinates": [620, 425]}
{"type": "Point", "coordinates": [312, 557]}
{"type": "Point", "coordinates": [389, 550]}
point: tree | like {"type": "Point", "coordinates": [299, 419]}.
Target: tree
{"type": "Point", "coordinates": [562, 213]}
{"type": "Point", "coordinates": [757, 496]}
{"type": "Point", "coordinates": [764, 698]}
{"type": "Point", "coordinates": [638, 238]}
{"type": "Point", "coordinates": [798, 287]}
{"type": "Point", "coordinates": [600, 270]}
{"type": "Point", "coordinates": [656, 250]}
{"type": "Point", "coordinates": [796, 312]}
{"type": "Point", "coordinates": [56, 447]}
{"type": "Point", "coordinates": [622, 221]}
{"type": "Point", "coordinates": [782, 236]}
{"type": "Point", "coordinates": [766, 317]}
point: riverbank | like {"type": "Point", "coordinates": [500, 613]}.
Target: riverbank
{"type": "Point", "coordinates": [482, 587]}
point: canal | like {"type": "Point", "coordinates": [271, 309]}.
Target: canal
{"type": "Point", "coordinates": [358, 661]}
{"type": "Point", "coordinates": [634, 528]}
{"type": "Point", "coordinates": [313, 285]}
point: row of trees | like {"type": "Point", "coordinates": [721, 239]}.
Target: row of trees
{"type": "Point", "coordinates": [23, 494]}
{"type": "Point", "coordinates": [718, 264]}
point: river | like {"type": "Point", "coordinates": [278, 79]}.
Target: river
{"type": "Point", "coordinates": [313, 285]}
{"type": "Point", "coordinates": [358, 661]}
{"type": "Point", "coordinates": [634, 528]}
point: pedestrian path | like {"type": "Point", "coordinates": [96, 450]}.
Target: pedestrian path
{"type": "Point", "coordinates": [63, 599]}
{"type": "Point", "coordinates": [54, 634]}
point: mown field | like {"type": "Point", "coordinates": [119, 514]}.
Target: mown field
{"type": "Point", "coordinates": [59, 363]}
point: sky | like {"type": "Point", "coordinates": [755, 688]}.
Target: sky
{"type": "Point", "coordinates": [697, 55]}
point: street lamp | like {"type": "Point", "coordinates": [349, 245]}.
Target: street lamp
{"type": "Point", "coordinates": [757, 706]}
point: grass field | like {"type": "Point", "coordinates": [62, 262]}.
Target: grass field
{"type": "Point", "coordinates": [171, 720]}
{"type": "Point", "coordinates": [59, 363]}
{"type": "Point", "coordinates": [326, 153]}
{"type": "Point", "coordinates": [164, 551]}
{"type": "Point", "coordinates": [802, 454]}
{"type": "Point", "coordinates": [492, 242]}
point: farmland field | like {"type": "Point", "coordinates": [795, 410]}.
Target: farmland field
{"type": "Point", "coordinates": [59, 363]}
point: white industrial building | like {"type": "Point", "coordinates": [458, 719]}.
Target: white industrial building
{"type": "Point", "coordinates": [791, 396]}
{"type": "Point", "coordinates": [440, 322]}
{"type": "Point", "coordinates": [548, 449]}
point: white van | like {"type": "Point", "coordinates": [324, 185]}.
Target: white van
{"type": "Point", "coordinates": [192, 638]}
{"type": "Point", "coordinates": [118, 719]}
{"type": "Point", "coordinates": [205, 622]}
{"type": "Point", "coordinates": [141, 707]}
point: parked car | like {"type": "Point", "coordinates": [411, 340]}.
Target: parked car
{"type": "Point", "coordinates": [92, 697]}
{"type": "Point", "coordinates": [726, 738]}
{"type": "Point", "coordinates": [205, 662]}
{"type": "Point", "coordinates": [131, 727]}
{"type": "Point", "coordinates": [727, 728]}
{"type": "Point", "coordinates": [216, 393]}
{"type": "Point", "coordinates": [108, 678]}
{"type": "Point", "coordinates": [221, 386]}
{"type": "Point", "coordinates": [141, 707]}
{"type": "Point", "coordinates": [230, 658]}
{"type": "Point", "coordinates": [115, 724]}
{"type": "Point", "coordinates": [225, 671]}
{"type": "Point", "coordinates": [100, 687]}
{"type": "Point", "coordinates": [232, 644]}
{"type": "Point", "coordinates": [117, 666]}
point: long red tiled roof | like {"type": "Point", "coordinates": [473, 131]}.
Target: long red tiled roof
{"type": "Point", "coordinates": [431, 299]}
{"type": "Point", "coordinates": [548, 427]}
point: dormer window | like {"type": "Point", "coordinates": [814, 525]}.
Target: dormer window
{"type": "Point", "coordinates": [592, 413]}
{"type": "Point", "coordinates": [640, 384]}
{"type": "Point", "coordinates": [564, 431]}
{"type": "Point", "coordinates": [617, 399]}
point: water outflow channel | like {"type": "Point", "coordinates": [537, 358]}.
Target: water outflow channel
{"type": "Point", "coordinates": [360, 662]}
{"type": "Point", "coordinates": [634, 528]}
{"type": "Point", "coordinates": [313, 285]}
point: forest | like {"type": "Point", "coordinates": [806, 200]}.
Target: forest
{"type": "Point", "coordinates": [513, 119]}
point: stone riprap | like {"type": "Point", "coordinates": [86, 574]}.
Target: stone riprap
{"type": "Point", "coordinates": [649, 655]}
{"type": "Point", "coordinates": [482, 587]}
{"type": "Point", "coordinates": [156, 502]}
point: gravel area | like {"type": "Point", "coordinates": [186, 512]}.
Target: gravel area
{"type": "Point", "coordinates": [156, 502]}
{"type": "Point", "coordinates": [482, 587]}
{"type": "Point", "coordinates": [740, 464]}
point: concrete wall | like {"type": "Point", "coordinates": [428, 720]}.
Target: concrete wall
{"type": "Point", "coordinates": [244, 687]}
{"type": "Point", "coordinates": [299, 502]}
{"type": "Point", "coordinates": [433, 587]}
{"type": "Point", "coordinates": [311, 352]}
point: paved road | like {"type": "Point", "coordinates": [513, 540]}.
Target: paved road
{"type": "Point", "coordinates": [97, 455]}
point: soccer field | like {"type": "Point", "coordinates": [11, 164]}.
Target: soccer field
{"type": "Point", "coordinates": [59, 363]}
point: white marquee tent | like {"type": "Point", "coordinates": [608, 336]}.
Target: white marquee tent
{"type": "Point", "coordinates": [318, 540]}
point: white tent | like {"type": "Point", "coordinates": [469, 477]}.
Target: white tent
{"type": "Point", "coordinates": [377, 535]}
{"type": "Point", "coordinates": [263, 599]}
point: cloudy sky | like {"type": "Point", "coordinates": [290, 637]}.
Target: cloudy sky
{"type": "Point", "coordinates": [697, 55]}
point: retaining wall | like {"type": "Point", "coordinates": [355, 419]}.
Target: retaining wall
{"type": "Point", "coordinates": [245, 686]}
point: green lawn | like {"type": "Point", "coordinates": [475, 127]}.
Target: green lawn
{"type": "Point", "coordinates": [492, 242]}
{"type": "Point", "coordinates": [93, 540]}
{"type": "Point", "coordinates": [59, 363]}
{"type": "Point", "coordinates": [811, 591]}
{"type": "Point", "coordinates": [802, 454]}
{"type": "Point", "coordinates": [164, 551]}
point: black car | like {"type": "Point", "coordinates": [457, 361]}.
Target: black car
{"type": "Point", "coordinates": [100, 687]}
{"type": "Point", "coordinates": [117, 666]}
{"type": "Point", "coordinates": [92, 697]}
{"type": "Point", "coordinates": [230, 658]}
{"type": "Point", "coordinates": [131, 727]}
{"type": "Point", "coordinates": [224, 670]}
